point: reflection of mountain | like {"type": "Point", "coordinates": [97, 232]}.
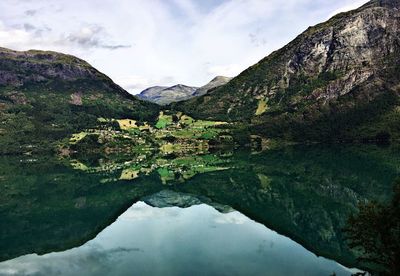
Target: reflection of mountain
{"type": "Point", "coordinates": [168, 198]}
{"type": "Point", "coordinates": [305, 194]}
{"type": "Point", "coordinates": [169, 168]}
{"type": "Point", "coordinates": [45, 206]}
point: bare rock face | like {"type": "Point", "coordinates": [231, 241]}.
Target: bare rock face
{"type": "Point", "coordinates": [17, 68]}
{"type": "Point", "coordinates": [76, 98]}
{"type": "Point", "coordinates": [336, 68]}
{"type": "Point", "coordinates": [151, 93]}
{"type": "Point", "coordinates": [165, 95]}
{"type": "Point", "coordinates": [355, 47]}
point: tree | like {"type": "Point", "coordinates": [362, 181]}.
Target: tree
{"type": "Point", "coordinates": [375, 231]}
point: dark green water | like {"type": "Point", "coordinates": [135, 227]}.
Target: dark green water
{"type": "Point", "coordinates": [280, 212]}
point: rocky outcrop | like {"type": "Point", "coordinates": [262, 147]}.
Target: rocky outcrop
{"type": "Point", "coordinates": [344, 67]}
{"type": "Point", "coordinates": [18, 68]}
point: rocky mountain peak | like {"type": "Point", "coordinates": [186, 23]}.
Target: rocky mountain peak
{"type": "Point", "coordinates": [350, 61]}
{"type": "Point", "coordinates": [18, 67]}
{"type": "Point", "coordinates": [383, 3]}
{"type": "Point", "coordinates": [220, 78]}
{"type": "Point", "coordinates": [213, 84]}
{"type": "Point", "coordinates": [164, 95]}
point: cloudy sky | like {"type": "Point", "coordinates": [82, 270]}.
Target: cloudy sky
{"type": "Point", "coordinates": [141, 43]}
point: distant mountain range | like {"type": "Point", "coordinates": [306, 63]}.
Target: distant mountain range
{"type": "Point", "coordinates": [214, 83]}
{"type": "Point", "coordinates": [164, 95]}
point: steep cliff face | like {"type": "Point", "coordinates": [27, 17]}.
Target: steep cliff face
{"type": "Point", "coordinates": [45, 96]}
{"type": "Point", "coordinates": [339, 78]}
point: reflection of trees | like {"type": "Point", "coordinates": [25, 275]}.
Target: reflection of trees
{"type": "Point", "coordinates": [375, 231]}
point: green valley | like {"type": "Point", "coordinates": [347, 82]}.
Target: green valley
{"type": "Point", "coordinates": [171, 133]}
{"type": "Point", "coordinates": [176, 146]}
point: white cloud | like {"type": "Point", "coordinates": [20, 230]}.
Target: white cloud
{"type": "Point", "coordinates": [13, 38]}
{"type": "Point", "coordinates": [136, 84]}
{"type": "Point", "coordinates": [231, 218]}
{"type": "Point", "coordinates": [348, 7]}
{"type": "Point", "coordinates": [225, 70]}
{"type": "Point", "coordinates": [133, 82]}
{"type": "Point", "coordinates": [156, 42]}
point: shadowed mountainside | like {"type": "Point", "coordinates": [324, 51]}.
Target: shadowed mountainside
{"type": "Point", "coordinates": [46, 96]}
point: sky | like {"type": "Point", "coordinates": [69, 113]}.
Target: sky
{"type": "Point", "coordinates": [142, 43]}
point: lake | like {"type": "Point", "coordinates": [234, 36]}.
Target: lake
{"type": "Point", "coordinates": [276, 212]}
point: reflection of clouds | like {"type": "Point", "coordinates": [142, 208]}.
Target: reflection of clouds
{"type": "Point", "coordinates": [120, 249]}
{"type": "Point", "coordinates": [142, 211]}
{"type": "Point", "coordinates": [140, 242]}
{"type": "Point", "coordinates": [89, 260]}
{"type": "Point", "coordinates": [264, 246]}
{"type": "Point", "coordinates": [261, 247]}
{"type": "Point", "coordinates": [231, 218]}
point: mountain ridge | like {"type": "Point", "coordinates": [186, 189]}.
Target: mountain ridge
{"type": "Point", "coordinates": [334, 70]}
{"type": "Point", "coordinates": [165, 95]}
{"type": "Point", "coordinates": [214, 83]}
{"type": "Point", "coordinates": [46, 96]}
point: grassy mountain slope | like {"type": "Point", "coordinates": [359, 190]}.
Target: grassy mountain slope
{"type": "Point", "coordinates": [339, 80]}
{"type": "Point", "coordinates": [45, 96]}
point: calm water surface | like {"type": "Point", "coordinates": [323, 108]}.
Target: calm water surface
{"type": "Point", "coordinates": [277, 212]}
{"type": "Point", "coordinates": [173, 241]}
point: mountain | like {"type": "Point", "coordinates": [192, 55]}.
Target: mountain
{"type": "Point", "coordinates": [165, 95]}
{"type": "Point", "coordinates": [338, 80]}
{"type": "Point", "coordinates": [45, 96]}
{"type": "Point", "coordinates": [214, 83]}
{"type": "Point", "coordinates": [150, 93]}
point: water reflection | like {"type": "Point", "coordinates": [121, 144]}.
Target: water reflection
{"type": "Point", "coordinates": [173, 241]}
{"type": "Point", "coordinates": [304, 193]}
{"type": "Point", "coordinates": [375, 231]}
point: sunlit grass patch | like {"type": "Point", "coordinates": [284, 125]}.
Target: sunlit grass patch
{"type": "Point", "coordinates": [163, 120]}
{"type": "Point", "coordinates": [262, 107]}
{"type": "Point", "coordinates": [77, 137]}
